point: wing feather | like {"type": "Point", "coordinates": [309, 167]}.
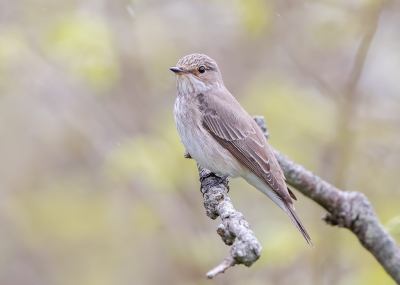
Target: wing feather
{"type": "Point", "coordinates": [244, 140]}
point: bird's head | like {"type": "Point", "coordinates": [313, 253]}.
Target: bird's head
{"type": "Point", "coordinates": [196, 73]}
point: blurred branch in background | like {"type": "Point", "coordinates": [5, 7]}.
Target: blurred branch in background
{"type": "Point", "coordinates": [347, 107]}
{"type": "Point", "coordinates": [346, 99]}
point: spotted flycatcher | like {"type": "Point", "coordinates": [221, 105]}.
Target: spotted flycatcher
{"type": "Point", "coordinates": [222, 137]}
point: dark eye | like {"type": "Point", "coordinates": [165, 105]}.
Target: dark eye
{"type": "Point", "coordinates": [202, 69]}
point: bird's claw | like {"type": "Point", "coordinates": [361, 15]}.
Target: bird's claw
{"type": "Point", "coordinates": [227, 185]}
{"type": "Point", "coordinates": [223, 179]}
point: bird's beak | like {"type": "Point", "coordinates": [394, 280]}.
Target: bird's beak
{"type": "Point", "coordinates": [176, 69]}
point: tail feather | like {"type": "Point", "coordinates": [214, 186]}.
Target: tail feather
{"type": "Point", "coordinates": [296, 221]}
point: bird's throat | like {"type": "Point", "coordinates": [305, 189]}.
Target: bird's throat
{"type": "Point", "coordinates": [188, 84]}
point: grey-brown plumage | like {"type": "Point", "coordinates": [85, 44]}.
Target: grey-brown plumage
{"type": "Point", "coordinates": [221, 136]}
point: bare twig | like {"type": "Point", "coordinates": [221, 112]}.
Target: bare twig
{"type": "Point", "coordinates": [221, 268]}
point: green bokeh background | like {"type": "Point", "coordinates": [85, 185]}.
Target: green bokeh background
{"type": "Point", "coordinates": [93, 184]}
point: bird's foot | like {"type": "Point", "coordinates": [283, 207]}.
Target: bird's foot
{"type": "Point", "coordinates": [223, 179]}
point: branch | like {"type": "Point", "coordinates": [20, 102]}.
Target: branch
{"type": "Point", "coordinates": [350, 210]}
{"type": "Point", "coordinates": [247, 249]}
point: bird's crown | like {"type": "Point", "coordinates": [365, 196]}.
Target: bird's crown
{"type": "Point", "coordinates": [195, 60]}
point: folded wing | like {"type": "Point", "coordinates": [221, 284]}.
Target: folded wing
{"type": "Point", "coordinates": [237, 132]}
{"type": "Point", "coordinates": [244, 140]}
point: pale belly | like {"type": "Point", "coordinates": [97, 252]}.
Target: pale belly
{"type": "Point", "coordinates": [200, 143]}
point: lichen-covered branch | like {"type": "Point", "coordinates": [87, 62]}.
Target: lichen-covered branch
{"type": "Point", "coordinates": [246, 250]}
{"type": "Point", "coordinates": [350, 210]}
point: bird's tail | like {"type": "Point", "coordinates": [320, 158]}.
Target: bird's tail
{"type": "Point", "coordinates": [296, 221]}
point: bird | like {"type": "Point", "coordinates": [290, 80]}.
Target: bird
{"type": "Point", "coordinates": [221, 136]}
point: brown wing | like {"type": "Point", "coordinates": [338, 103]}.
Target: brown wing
{"type": "Point", "coordinates": [236, 131]}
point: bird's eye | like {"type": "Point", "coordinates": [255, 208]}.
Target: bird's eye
{"type": "Point", "coordinates": [202, 69]}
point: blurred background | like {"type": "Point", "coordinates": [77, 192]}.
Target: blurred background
{"type": "Point", "coordinates": [94, 188]}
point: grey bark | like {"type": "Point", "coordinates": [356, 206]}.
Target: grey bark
{"type": "Point", "coordinates": [247, 249]}
{"type": "Point", "coordinates": [351, 210]}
